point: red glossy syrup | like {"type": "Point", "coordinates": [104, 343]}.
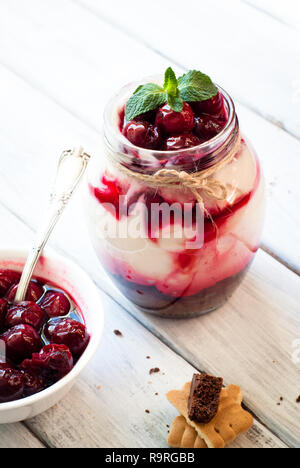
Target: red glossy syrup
{"type": "Point", "coordinates": [36, 359]}
{"type": "Point", "coordinates": [113, 196]}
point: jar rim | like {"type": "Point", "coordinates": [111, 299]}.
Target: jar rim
{"type": "Point", "coordinates": [117, 142]}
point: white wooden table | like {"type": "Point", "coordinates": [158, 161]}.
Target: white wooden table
{"type": "Point", "coordinates": [60, 60]}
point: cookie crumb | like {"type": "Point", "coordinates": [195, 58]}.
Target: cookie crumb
{"type": "Point", "coordinates": [298, 399]}
{"type": "Point", "coordinates": [98, 387]}
{"type": "Point", "coordinates": [147, 411]}
{"type": "Point", "coordinates": [155, 370]}
{"type": "Point", "coordinates": [118, 333]}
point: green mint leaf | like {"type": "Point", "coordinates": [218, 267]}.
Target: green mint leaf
{"type": "Point", "coordinates": [171, 87]}
{"type": "Point", "coordinates": [195, 86]}
{"type": "Point", "coordinates": [175, 102]}
{"type": "Point", "coordinates": [171, 83]}
{"type": "Point", "coordinates": [146, 98]}
{"type": "Point", "coordinates": [137, 90]}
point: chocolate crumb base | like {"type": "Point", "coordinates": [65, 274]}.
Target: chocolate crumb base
{"type": "Point", "coordinates": [118, 333]}
{"type": "Point", "coordinates": [204, 397]}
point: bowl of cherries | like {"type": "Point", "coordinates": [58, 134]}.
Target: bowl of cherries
{"type": "Point", "coordinates": [48, 339]}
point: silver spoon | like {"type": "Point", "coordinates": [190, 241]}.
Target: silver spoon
{"type": "Point", "coordinates": [71, 167]}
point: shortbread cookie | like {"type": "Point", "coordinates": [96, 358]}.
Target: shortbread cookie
{"type": "Point", "coordinates": [182, 435]}
{"type": "Point", "coordinates": [231, 420]}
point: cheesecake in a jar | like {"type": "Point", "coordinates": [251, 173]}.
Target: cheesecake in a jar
{"type": "Point", "coordinates": [175, 200]}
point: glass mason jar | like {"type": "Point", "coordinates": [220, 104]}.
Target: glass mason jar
{"type": "Point", "coordinates": [172, 249]}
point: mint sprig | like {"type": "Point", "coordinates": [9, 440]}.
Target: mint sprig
{"type": "Point", "coordinates": [146, 98]}
{"type": "Point", "coordinates": [194, 86]}
{"type": "Point", "coordinates": [191, 87]}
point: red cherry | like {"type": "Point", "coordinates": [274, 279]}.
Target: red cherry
{"type": "Point", "coordinates": [68, 332]}
{"type": "Point", "coordinates": [207, 127]}
{"type": "Point", "coordinates": [7, 279]}
{"type": "Point", "coordinates": [21, 341]}
{"type": "Point", "coordinates": [170, 121]}
{"type": "Point", "coordinates": [34, 293]}
{"type": "Point", "coordinates": [28, 313]}
{"type": "Point", "coordinates": [3, 312]}
{"type": "Point", "coordinates": [33, 382]}
{"type": "Point", "coordinates": [143, 134]}
{"type": "Point", "coordinates": [55, 304]}
{"type": "Point", "coordinates": [53, 362]}
{"type": "Point", "coordinates": [11, 383]}
{"type": "Point", "coordinates": [179, 142]}
{"type": "Point", "coordinates": [213, 106]}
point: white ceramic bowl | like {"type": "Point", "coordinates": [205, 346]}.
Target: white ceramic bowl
{"type": "Point", "coordinates": [78, 284]}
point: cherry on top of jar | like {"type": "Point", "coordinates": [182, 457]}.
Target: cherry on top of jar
{"type": "Point", "coordinates": [153, 140]}
{"type": "Point", "coordinates": [167, 130]}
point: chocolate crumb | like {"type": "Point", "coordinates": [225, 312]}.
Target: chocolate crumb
{"type": "Point", "coordinates": [147, 411]}
{"type": "Point", "coordinates": [278, 404]}
{"type": "Point", "coordinates": [167, 425]}
{"type": "Point", "coordinates": [155, 370]}
{"type": "Point", "coordinates": [298, 399]}
{"type": "Point", "coordinates": [281, 398]}
{"type": "Point", "coordinates": [118, 333]}
{"type": "Point", "coordinates": [148, 357]}
{"type": "Point", "coordinates": [156, 394]}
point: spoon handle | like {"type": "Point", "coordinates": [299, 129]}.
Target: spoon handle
{"type": "Point", "coordinates": [71, 167]}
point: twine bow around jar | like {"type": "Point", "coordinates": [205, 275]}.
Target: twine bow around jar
{"type": "Point", "coordinates": [195, 182]}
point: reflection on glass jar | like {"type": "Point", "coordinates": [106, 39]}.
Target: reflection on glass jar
{"type": "Point", "coordinates": [175, 230]}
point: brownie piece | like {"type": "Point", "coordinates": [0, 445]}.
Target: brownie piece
{"type": "Point", "coordinates": [204, 398]}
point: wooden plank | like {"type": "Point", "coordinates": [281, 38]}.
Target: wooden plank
{"type": "Point", "coordinates": [94, 413]}
{"type": "Point", "coordinates": [287, 12]}
{"type": "Point", "coordinates": [40, 69]}
{"type": "Point", "coordinates": [233, 42]}
{"type": "Point", "coordinates": [17, 436]}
